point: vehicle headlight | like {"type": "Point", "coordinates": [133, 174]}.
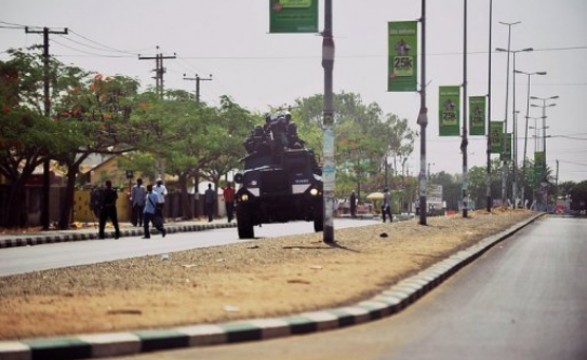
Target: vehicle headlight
{"type": "Point", "coordinates": [313, 191]}
{"type": "Point", "coordinates": [244, 197]}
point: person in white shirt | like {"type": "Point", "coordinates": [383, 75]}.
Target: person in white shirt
{"type": "Point", "coordinates": [161, 191]}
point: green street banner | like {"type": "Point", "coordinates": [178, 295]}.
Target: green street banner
{"type": "Point", "coordinates": [539, 171]}
{"type": "Point", "coordinates": [293, 16]}
{"type": "Point", "coordinates": [402, 64]}
{"type": "Point", "coordinates": [477, 115]}
{"type": "Point", "coordinates": [508, 148]}
{"type": "Point", "coordinates": [496, 136]}
{"type": "Point", "coordinates": [449, 110]}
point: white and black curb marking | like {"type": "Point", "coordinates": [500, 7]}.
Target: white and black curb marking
{"type": "Point", "coordinates": [50, 239]}
{"type": "Point", "coordinates": [388, 302]}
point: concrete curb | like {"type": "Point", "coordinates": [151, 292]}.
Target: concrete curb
{"type": "Point", "coordinates": [73, 236]}
{"type": "Point", "coordinates": [388, 302]}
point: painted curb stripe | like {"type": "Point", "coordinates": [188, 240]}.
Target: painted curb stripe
{"type": "Point", "coordinates": [239, 332]}
{"type": "Point", "coordinates": [200, 335]}
{"type": "Point", "coordinates": [60, 348]}
{"type": "Point", "coordinates": [52, 239]}
{"type": "Point", "coordinates": [152, 340]}
{"type": "Point", "coordinates": [112, 344]}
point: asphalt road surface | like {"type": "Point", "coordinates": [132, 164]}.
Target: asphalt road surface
{"type": "Point", "coordinates": [25, 259]}
{"type": "Point", "coordinates": [524, 299]}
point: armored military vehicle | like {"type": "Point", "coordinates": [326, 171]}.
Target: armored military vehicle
{"type": "Point", "coordinates": [281, 180]}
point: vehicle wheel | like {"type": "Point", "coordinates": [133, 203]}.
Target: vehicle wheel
{"type": "Point", "coordinates": [243, 222]}
{"type": "Point", "coordinates": [318, 219]}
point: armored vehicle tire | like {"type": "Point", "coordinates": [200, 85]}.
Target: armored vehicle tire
{"type": "Point", "coordinates": [243, 222]}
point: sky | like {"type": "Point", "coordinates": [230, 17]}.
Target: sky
{"type": "Point", "coordinates": [230, 40]}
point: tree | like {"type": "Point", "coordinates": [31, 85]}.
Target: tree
{"type": "Point", "coordinates": [564, 188]}
{"type": "Point", "coordinates": [364, 140]}
{"type": "Point", "coordinates": [95, 110]}
{"type": "Point", "coordinates": [27, 136]}
{"type": "Point", "coordinates": [579, 196]}
{"type": "Point", "coordinates": [228, 130]}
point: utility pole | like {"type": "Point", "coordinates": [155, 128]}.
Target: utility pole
{"type": "Point", "coordinates": [465, 141]}
{"type": "Point", "coordinates": [159, 72]}
{"type": "Point", "coordinates": [159, 69]}
{"type": "Point", "coordinates": [197, 79]}
{"type": "Point", "coordinates": [488, 184]}
{"type": "Point", "coordinates": [423, 122]}
{"type": "Point", "coordinates": [329, 168]}
{"type": "Point", "coordinates": [47, 103]}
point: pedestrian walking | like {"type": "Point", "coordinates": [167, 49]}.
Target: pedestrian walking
{"type": "Point", "coordinates": [151, 215]}
{"type": "Point", "coordinates": [228, 194]}
{"type": "Point", "coordinates": [386, 207]}
{"type": "Point", "coordinates": [137, 198]}
{"type": "Point", "coordinates": [210, 199]}
{"type": "Point", "coordinates": [108, 210]}
{"type": "Point", "coordinates": [353, 201]}
{"type": "Point", "coordinates": [161, 191]}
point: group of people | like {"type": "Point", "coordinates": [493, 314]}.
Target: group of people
{"type": "Point", "coordinates": [278, 133]}
{"type": "Point", "coordinates": [147, 206]}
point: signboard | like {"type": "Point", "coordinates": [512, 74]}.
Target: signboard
{"type": "Point", "coordinates": [477, 115]}
{"type": "Point", "coordinates": [293, 16]}
{"type": "Point", "coordinates": [448, 110]}
{"type": "Point", "coordinates": [402, 64]}
{"type": "Point", "coordinates": [434, 194]}
{"type": "Point", "coordinates": [496, 136]}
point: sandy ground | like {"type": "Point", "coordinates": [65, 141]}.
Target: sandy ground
{"type": "Point", "coordinates": [263, 278]}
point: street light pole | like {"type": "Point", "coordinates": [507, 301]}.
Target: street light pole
{"type": "Point", "coordinates": [526, 130]}
{"type": "Point", "coordinates": [544, 106]}
{"type": "Point", "coordinates": [465, 141]}
{"type": "Point", "coordinates": [488, 180]}
{"type": "Point", "coordinates": [505, 127]}
{"type": "Point", "coordinates": [423, 122]}
{"type": "Point", "coordinates": [515, 123]}
{"type": "Point", "coordinates": [329, 169]}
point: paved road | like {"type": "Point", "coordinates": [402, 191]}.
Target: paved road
{"type": "Point", "coordinates": [49, 256]}
{"type": "Point", "coordinates": [524, 299]}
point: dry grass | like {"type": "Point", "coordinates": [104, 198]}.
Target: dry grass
{"type": "Point", "coordinates": [264, 278]}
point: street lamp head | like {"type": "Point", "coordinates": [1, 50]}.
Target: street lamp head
{"type": "Point", "coordinates": [501, 49]}
{"type": "Point", "coordinates": [527, 49]}
{"type": "Point", "coordinates": [554, 97]}
{"type": "Point", "coordinates": [505, 23]}
{"type": "Point", "coordinates": [521, 72]}
{"type": "Point", "coordinates": [540, 73]}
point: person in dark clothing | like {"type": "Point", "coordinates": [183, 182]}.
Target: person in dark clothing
{"type": "Point", "coordinates": [137, 198]}
{"type": "Point", "coordinates": [210, 198]}
{"type": "Point", "coordinates": [386, 207]}
{"type": "Point", "coordinates": [108, 210]}
{"type": "Point", "coordinates": [228, 193]}
{"type": "Point", "coordinates": [353, 201]}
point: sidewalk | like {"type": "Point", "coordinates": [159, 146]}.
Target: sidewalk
{"type": "Point", "coordinates": [91, 232]}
